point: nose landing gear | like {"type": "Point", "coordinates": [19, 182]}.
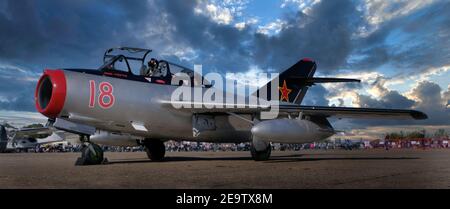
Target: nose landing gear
{"type": "Point", "coordinates": [91, 154]}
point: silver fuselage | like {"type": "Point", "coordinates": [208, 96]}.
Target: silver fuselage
{"type": "Point", "coordinates": [143, 102]}
{"type": "Point", "coordinates": [146, 104]}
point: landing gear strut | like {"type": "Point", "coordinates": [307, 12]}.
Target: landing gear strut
{"type": "Point", "coordinates": [155, 149]}
{"type": "Point", "coordinates": [260, 150]}
{"type": "Point", "coordinates": [91, 154]}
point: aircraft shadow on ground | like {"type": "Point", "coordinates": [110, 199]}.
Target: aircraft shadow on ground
{"type": "Point", "coordinates": [176, 159]}
{"type": "Point", "coordinates": [275, 159]}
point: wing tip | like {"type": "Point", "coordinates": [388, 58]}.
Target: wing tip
{"type": "Point", "coordinates": [418, 115]}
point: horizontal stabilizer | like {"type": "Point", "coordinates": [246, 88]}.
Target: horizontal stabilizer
{"type": "Point", "coordinates": [314, 80]}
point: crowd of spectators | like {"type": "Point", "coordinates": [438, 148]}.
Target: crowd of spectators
{"type": "Point", "coordinates": [184, 146]}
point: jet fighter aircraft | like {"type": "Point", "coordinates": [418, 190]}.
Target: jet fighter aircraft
{"type": "Point", "coordinates": [113, 105]}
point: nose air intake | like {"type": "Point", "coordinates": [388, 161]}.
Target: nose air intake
{"type": "Point", "coordinates": [50, 93]}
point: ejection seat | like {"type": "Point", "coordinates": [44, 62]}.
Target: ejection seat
{"type": "Point", "coordinates": [143, 71]}
{"type": "Point", "coordinates": [161, 76]}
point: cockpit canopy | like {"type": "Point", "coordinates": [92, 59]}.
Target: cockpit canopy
{"type": "Point", "coordinates": [166, 70]}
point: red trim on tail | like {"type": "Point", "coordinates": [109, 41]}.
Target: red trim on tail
{"type": "Point", "coordinates": [307, 60]}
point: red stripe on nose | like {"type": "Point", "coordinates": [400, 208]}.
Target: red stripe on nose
{"type": "Point", "coordinates": [50, 93]}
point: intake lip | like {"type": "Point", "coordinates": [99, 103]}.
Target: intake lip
{"type": "Point", "coordinates": [51, 92]}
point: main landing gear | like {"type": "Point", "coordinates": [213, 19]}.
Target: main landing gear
{"type": "Point", "coordinates": [155, 149]}
{"type": "Point", "coordinates": [91, 154]}
{"type": "Point", "coordinates": [260, 150]}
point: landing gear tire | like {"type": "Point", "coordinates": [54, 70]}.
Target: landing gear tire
{"type": "Point", "coordinates": [262, 155]}
{"type": "Point", "coordinates": [155, 150]}
{"type": "Point", "coordinates": [91, 154]}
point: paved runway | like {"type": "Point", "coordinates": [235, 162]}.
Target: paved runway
{"type": "Point", "coordinates": [302, 169]}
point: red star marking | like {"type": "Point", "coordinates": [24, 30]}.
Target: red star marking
{"type": "Point", "coordinates": [284, 92]}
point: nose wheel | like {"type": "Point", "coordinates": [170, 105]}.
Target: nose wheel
{"type": "Point", "coordinates": [155, 149]}
{"type": "Point", "coordinates": [91, 154]}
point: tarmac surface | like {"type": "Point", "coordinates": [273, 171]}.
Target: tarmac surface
{"type": "Point", "coordinates": [191, 170]}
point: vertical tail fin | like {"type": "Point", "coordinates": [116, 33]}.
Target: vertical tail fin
{"type": "Point", "coordinates": [292, 89]}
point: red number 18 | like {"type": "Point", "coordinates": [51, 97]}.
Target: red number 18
{"type": "Point", "coordinates": [106, 90]}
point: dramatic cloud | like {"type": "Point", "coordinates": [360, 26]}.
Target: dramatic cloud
{"type": "Point", "coordinates": [219, 47]}
{"type": "Point", "coordinates": [325, 35]}
{"type": "Point", "coordinates": [414, 42]}
{"type": "Point", "coordinates": [379, 11]}
{"type": "Point", "coordinates": [426, 97]}
{"type": "Point", "coordinates": [272, 28]}
{"type": "Point", "coordinates": [317, 96]}
{"type": "Point", "coordinates": [432, 102]}
{"type": "Point", "coordinates": [67, 32]}
{"type": "Point", "coordinates": [385, 98]}
{"type": "Point", "coordinates": [17, 88]}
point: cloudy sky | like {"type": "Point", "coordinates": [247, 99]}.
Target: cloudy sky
{"type": "Point", "coordinates": [399, 48]}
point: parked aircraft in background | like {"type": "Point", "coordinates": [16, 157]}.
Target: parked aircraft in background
{"type": "Point", "coordinates": [22, 139]}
